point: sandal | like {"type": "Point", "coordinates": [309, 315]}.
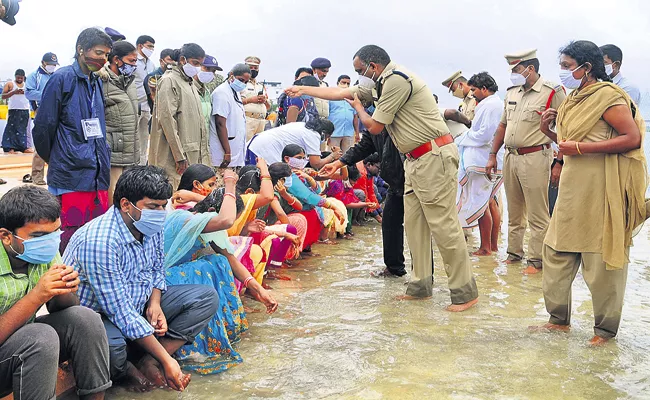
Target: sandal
{"type": "Point", "coordinates": [28, 179]}
{"type": "Point", "coordinates": [2, 182]}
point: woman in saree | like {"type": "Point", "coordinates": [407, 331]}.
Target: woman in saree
{"type": "Point", "coordinates": [321, 213]}
{"type": "Point", "coordinates": [197, 251]}
{"type": "Point", "coordinates": [601, 199]}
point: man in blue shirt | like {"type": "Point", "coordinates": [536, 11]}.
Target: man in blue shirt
{"type": "Point", "coordinates": [70, 134]}
{"type": "Point", "coordinates": [613, 57]}
{"type": "Point", "coordinates": [344, 118]}
{"type": "Point", "coordinates": [35, 84]}
{"type": "Point", "coordinates": [120, 260]}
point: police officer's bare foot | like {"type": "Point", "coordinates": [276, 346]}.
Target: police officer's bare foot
{"type": "Point", "coordinates": [549, 327]}
{"type": "Point", "coordinates": [462, 307]}
{"type": "Point", "coordinates": [482, 252]}
{"type": "Point", "coordinates": [597, 341]}
{"type": "Point", "coordinates": [407, 297]}
{"type": "Point", "coordinates": [531, 270]}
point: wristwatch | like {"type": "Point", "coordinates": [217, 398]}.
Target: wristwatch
{"type": "Point", "coordinates": [556, 161]}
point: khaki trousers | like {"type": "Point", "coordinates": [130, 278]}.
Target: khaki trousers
{"type": "Point", "coordinates": [116, 172]}
{"type": "Point", "coordinates": [430, 211]}
{"type": "Point", "coordinates": [344, 143]}
{"type": "Point", "coordinates": [253, 127]}
{"type": "Point", "coordinates": [38, 166]}
{"type": "Point", "coordinates": [607, 288]}
{"type": "Point", "coordinates": [143, 135]}
{"type": "Point", "coordinates": [526, 180]}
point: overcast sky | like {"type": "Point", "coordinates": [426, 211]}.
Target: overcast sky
{"type": "Point", "coordinates": [432, 38]}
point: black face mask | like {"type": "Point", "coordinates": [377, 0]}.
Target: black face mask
{"type": "Point", "coordinates": [254, 73]}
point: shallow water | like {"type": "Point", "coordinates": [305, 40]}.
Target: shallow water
{"type": "Point", "coordinates": [339, 334]}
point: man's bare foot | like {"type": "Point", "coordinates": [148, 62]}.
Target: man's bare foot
{"type": "Point", "coordinates": [407, 297]}
{"type": "Point", "coordinates": [530, 270]}
{"type": "Point", "coordinates": [495, 249]}
{"type": "Point", "coordinates": [597, 341]}
{"type": "Point", "coordinates": [249, 310]}
{"type": "Point", "coordinates": [462, 307]}
{"type": "Point", "coordinates": [135, 381]}
{"type": "Point", "coordinates": [549, 327]}
{"type": "Point", "coordinates": [151, 369]}
{"type": "Point", "coordinates": [482, 252]}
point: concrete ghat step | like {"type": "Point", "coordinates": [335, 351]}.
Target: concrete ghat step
{"type": "Point", "coordinates": [9, 161]}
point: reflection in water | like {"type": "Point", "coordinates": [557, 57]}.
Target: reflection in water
{"type": "Point", "coordinates": [340, 335]}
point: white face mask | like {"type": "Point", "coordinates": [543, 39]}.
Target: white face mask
{"type": "Point", "coordinates": [50, 69]}
{"type": "Point", "coordinates": [147, 52]}
{"type": "Point", "coordinates": [567, 79]}
{"type": "Point", "coordinates": [609, 69]}
{"type": "Point", "coordinates": [190, 70]}
{"type": "Point", "coordinates": [206, 76]}
{"type": "Point", "coordinates": [298, 163]}
{"type": "Point", "coordinates": [366, 82]}
{"type": "Point", "coordinates": [518, 79]}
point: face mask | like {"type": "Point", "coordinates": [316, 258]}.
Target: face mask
{"type": "Point", "coordinates": [190, 70]}
{"type": "Point", "coordinates": [127, 69]}
{"type": "Point", "coordinates": [459, 92]}
{"type": "Point", "coordinates": [366, 82]}
{"type": "Point", "coordinates": [40, 250]}
{"type": "Point", "coordinates": [254, 74]}
{"type": "Point", "coordinates": [288, 182]}
{"type": "Point", "coordinates": [609, 69]}
{"type": "Point", "coordinates": [206, 76]}
{"type": "Point", "coordinates": [237, 85]}
{"type": "Point", "coordinates": [94, 64]}
{"type": "Point", "coordinates": [204, 191]}
{"type": "Point", "coordinates": [567, 79]}
{"type": "Point", "coordinates": [147, 52]}
{"type": "Point", "coordinates": [50, 69]}
{"type": "Point", "coordinates": [297, 163]}
{"type": "Point", "coordinates": [150, 222]}
{"type": "Point", "coordinates": [518, 79]}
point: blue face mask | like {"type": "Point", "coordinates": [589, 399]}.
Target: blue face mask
{"type": "Point", "coordinates": [237, 85]}
{"type": "Point", "coordinates": [40, 250]}
{"type": "Point", "coordinates": [127, 69]}
{"type": "Point", "coordinates": [150, 222]}
{"type": "Point", "coordinates": [288, 182]}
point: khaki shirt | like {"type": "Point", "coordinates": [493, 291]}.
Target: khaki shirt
{"type": "Point", "coordinates": [178, 129]}
{"type": "Point", "coordinates": [410, 121]}
{"type": "Point", "coordinates": [468, 107]}
{"type": "Point", "coordinates": [522, 113]}
{"type": "Point", "coordinates": [252, 90]}
{"type": "Point", "coordinates": [322, 106]}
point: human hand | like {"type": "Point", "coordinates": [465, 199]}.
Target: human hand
{"type": "Point", "coordinates": [280, 188]}
{"type": "Point", "coordinates": [337, 152]}
{"type": "Point", "coordinates": [226, 161]}
{"type": "Point", "coordinates": [555, 175]}
{"type": "Point", "coordinates": [265, 297]}
{"type": "Point", "coordinates": [293, 238]}
{"type": "Point", "coordinates": [58, 280]}
{"type": "Point", "coordinates": [569, 148]}
{"type": "Point", "coordinates": [260, 99]}
{"type": "Point", "coordinates": [356, 103]}
{"type": "Point", "coordinates": [230, 178]}
{"type": "Point", "coordinates": [183, 196]}
{"type": "Point", "coordinates": [294, 91]}
{"type": "Point", "coordinates": [181, 166]}
{"type": "Point", "coordinates": [491, 166]}
{"type": "Point", "coordinates": [157, 319]}
{"type": "Point", "coordinates": [263, 166]}
{"type": "Point", "coordinates": [328, 170]}
{"type": "Point", "coordinates": [548, 118]}
{"type": "Point", "coordinates": [174, 376]}
{"type": "Point", "coordinates": [339, 215]}
{"type": "Point", "coordinates": [256, 226]}
{"type": "Point", "coordinates": [372, 206]}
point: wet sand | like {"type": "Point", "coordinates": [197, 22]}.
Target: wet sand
{"type": "Point", "coordinates": [339, 334]}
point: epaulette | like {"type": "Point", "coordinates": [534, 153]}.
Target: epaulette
{"type": "Point", "coordinates": [553, 86]}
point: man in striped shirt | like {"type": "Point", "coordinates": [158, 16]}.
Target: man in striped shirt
{"type": "Point", "coordinates": [120, 260]}
{"type": "Point", "coordinates": [32, 274]}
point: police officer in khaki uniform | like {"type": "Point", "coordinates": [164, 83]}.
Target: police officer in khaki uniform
{"type": "Point", "coordinates": [457, 85]}
{"type": "Point", "coordinates": [407, 109]}
{"type": "Point", "coordinates": [256, 102]}
{"type": "Point", "coordinates": [527, 163]}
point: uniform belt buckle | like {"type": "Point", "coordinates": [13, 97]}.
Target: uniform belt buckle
{"type": "Point", "coordinates": [512, 150]}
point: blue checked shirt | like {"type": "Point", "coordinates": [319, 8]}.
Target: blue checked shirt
{"type": "Point", "coordinates": [117, 272]}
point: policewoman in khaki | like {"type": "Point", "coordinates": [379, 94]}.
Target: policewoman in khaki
{"type": "Point", "coordinates": [256, 102]}
{"type": "Point", "coordinates": [458, 87]}
{"type": "Point", "coordinates": [408, 111]}
{"type": "Point", "coordinates": [602, 195]}
{"type": "Point", "coordinates": [528, 158]}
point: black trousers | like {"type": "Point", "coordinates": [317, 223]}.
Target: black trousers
{"type": "Point", "coordinates": [392, 230]}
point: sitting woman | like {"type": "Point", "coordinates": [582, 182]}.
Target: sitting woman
{"type": "Point", "coordinates": [197, 181]}
{"type": "Point", "coordinates": [197, 251]}
{"type": "Point", "coordinates": [329, 213]}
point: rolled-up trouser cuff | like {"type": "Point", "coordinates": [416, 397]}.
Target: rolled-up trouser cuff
{"type": "Point", "coordinates": [420, 288]}
{"type": "Point", "coordinates": [465, 293]}
{"type": "Point", "coordinates": [535, 263]}
{"type": "Point", "coordinates": [102, 388]}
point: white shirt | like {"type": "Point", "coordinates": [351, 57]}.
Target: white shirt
{"type": "Point", "coordinates": [228, 104]}
{"type": "Point", "coordinates": [144, 67]}
{"type": "Point", "coordinates": [270, 144]}
{"type": "Point", "coordinates": [630, 88]}
{"type": "Point", "coordinates": [475, 144]}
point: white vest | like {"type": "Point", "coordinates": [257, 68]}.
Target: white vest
{"type": "Point", "coordinates": [18, 101]}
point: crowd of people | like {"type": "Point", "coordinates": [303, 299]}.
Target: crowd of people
{"type": "Point", "coordinates": [170, 197]}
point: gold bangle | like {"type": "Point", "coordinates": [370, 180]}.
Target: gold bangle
{"type": "Point", "coordinates": [578, 148]}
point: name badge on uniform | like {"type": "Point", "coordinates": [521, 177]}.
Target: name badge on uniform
{"type": "Point", "coordinates": [92, 128]}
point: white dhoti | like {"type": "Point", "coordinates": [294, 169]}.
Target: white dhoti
{"type": "Point", "coordinates": [475, 191]}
